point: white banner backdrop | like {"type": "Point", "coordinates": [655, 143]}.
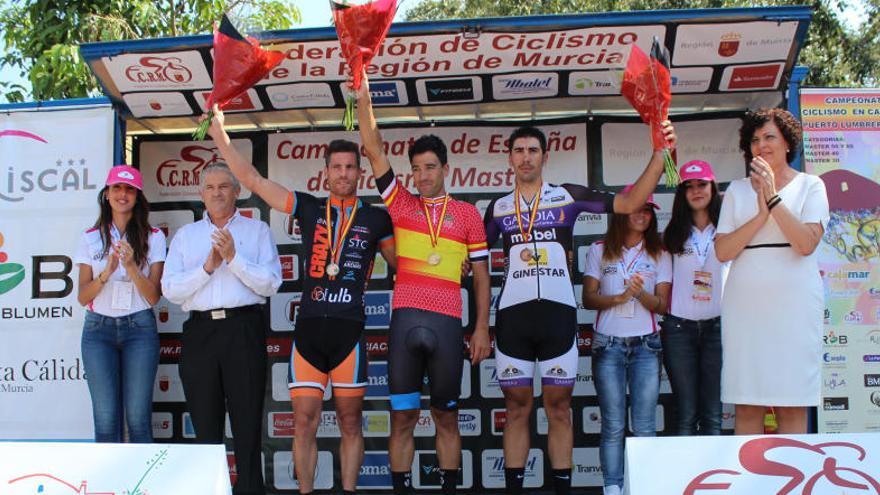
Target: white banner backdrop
{"type": "Point", "coordinates": [477, 157]}
{"type": "Point", "coordinates": [113, 469]}
{"type": "Point", "coordinates": [747, 465]}
{"type": "Point", "coordinates": [54, 164]}
{"type": "Point", "coordinates": [626, 148]}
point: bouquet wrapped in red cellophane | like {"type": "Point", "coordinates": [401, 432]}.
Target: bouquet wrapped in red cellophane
{"type": "Point", "coordinates": [239, 63]}
{"type": "Point", "coordinates": [647, 86]}
{"type": "Point", "coordinates": [361, 30]}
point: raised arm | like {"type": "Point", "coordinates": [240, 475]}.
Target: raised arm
{"type": "Point", "coordinates": [274, 194]}
{"type": "Point", "coordinates": [370, 136]}
{"type": "Point", "coordinates": [628, 202]}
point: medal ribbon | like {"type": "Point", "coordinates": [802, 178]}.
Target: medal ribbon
{"type": "Point", "coordinates": [629, 270]}
{"type": "Point", "coordinates": [346, 226]}
{"type": "Point", "coordinates": [533, 213]}
{"type": "Point", "coordinates": [435, 232]}
{"type": "Point", "coordinates": [703, 254]}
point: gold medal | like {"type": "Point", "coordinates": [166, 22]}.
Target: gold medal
{"type": "Point", "coordinates": [526, 255]}
{"type": "Point", "coordinates": [332, 268]}
{"type": "Point", "coordinates": [434, 259]}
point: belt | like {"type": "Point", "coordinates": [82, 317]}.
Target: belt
{"type": "Point", "coordinates": [774, 245]}
{"type": "Point", "coordinates": [629, 340]}
{"type": "Point", "coordinates": [698, 322]}
{"type": "Point", "coordinates": [224, 313]}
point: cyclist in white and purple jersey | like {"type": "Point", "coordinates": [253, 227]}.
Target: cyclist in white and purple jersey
{"type": "Point", "coordinates": [536, 318]}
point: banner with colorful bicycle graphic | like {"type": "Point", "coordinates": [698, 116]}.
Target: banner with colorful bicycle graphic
{"type": "Point", "coordinates": [841, 145]}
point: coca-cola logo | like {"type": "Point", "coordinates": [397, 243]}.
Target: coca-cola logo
{"type": "Point", "coordinates": [185, 169]}
{"type": "Point", "coordinates": [152, 69]}
{"type": "Point", "coordinates": [755, 461]}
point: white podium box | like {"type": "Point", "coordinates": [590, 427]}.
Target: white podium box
{"type": "Point", "coordinates": [112, 469]}
{"type": "Point", "coordinates": [748, 465]}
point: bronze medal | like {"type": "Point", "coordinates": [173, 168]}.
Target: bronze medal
{"type": "Point", "coordinates": [526, 255]}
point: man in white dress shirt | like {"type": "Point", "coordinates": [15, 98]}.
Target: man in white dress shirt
{"type": "Point", "coordinates": [221, 269]}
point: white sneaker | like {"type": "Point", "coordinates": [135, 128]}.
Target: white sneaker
{"type": "Point", "coordinates": [611, 490]}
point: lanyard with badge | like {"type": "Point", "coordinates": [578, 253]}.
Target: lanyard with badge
{"type": "Point", "coordinates": [702, 286]}
{"type": "Point", "coordinates": [628, 309]}
{"type": "Point", "coordinates": [122, 290]}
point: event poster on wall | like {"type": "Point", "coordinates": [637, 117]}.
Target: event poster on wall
{"type": "Point", "coordinates": [841, 145]}
{"type": "Point", "coordinates": [54, 163]}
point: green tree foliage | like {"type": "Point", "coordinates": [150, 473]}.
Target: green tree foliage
{"type": "Point", "coordinates": [836, 55]}
{"type": "Point", "coordinates": [42, 37]}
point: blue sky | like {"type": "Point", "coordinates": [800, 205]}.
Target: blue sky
{"type": "Point", "coordinates": [316, 13]}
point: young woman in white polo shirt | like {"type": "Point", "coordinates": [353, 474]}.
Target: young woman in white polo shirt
{"type": "Point", "coordinates": [627, 280]}
{"type": "Point", "coordinates": [120, 267]}
{"type": "Point", "coordinates": [692, 327]}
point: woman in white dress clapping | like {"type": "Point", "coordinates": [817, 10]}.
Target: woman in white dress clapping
{"type": "Point", "coordinates": [773, 302]}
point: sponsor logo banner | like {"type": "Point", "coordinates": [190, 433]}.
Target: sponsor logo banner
{"type": "Point", "coordinates": [163, 425]}
{"type": "Point", "coordinates": [171, 169]}
{"type": "Point", "coordinates": [594, 83]}
{"type": "Point", "coordinates": [492, 463]}
{"type": "Point", "coordinates": [691, 80]}
{"type": "Point", "coordinates": [525, 85]}
{"type": "Point", "coordinates": [715, 44]}
{"type": "Point", "coordinates": [585, 469]}
{"type": "Point", "coordinates": [168, 387]}
{"type": "Point", "coordinates": [245, 102]}
{"type": "Point", "coordinates": [592, 418]}
{"type": "Point", "coordinates": [377, 307]}
{"type": "Point", "coordinates": [301, 95]}
{"type": "Point", "coordinates": [158, 71]}
{"type": "Point", "coordinates": [284, 476]}
{"type": "Point", "coordinates": [426, 470]}
{"type": "Point", "coordinates": [457, 90]}
{"type": "Point", "coordinates": [751, 77]}
{"type": "Point", "coordinates": [283, 310]}
{"type": "Point", "coordinates": [375, 472]}
{"type": "Point", "coordinates": [469, 421]}
{"type": "Point", "coordinates": [377, 380]}
{"type": "Point", "coordinates": [160, 104]}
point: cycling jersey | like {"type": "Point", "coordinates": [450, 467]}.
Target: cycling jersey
{"type": "Point", "coordinates": [340, 296]}
{"type": "Point", "coordinates": [539, 268]}
{"type": "Point", "coordinates": [429, 277]}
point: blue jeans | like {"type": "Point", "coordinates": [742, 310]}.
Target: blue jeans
{"type": "Point", "coordinates": [692, 355]}
{"type": "Point", "coordinates": [619, 362]}
{"type": "Point", "coordinates": [120, 357]}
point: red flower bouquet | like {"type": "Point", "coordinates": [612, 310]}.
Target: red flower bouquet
{"type": "Point", "coordinates": [647, 87]}
{"type": "Point", "coordinates": [361, 30]}
{"type": "Point", "coordinates": [239, 64]}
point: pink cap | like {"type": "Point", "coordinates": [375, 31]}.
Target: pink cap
{"type": "Point", "coordinates": [124, 174]}
{"type": "Point", "coordinates": [650, 200]}
{"type": "Point", "coordinates": [696, 170]}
